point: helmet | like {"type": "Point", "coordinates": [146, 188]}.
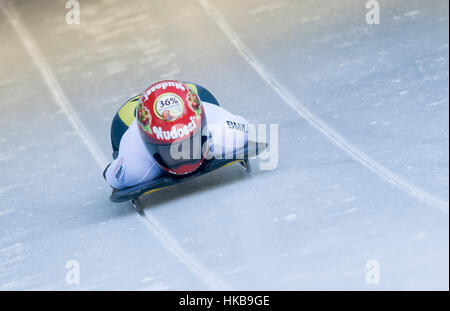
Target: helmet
{"type": "Point", "coordinates": [170, 120]}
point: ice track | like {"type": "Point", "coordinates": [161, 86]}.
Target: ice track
{"type": "Point", "coordinates": [354, 102]}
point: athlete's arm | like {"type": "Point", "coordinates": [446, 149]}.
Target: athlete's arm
{"type": "Point", "coordinates": [134, 164]}
{"type": "Point", "coordinates": [226, 132]}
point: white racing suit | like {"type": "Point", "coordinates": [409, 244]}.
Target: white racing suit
{"type": "Point", "coordinates": [135, 165]}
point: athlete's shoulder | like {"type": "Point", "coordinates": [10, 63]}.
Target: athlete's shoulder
{"type": "Point", "coordinates": [127, 112]}
{"type": "Point", "coordinates": [220, 116]}
{"type": "Point", "coordinates": [202, 93]}
{"type": "Point", "coordinates": [213, 111]}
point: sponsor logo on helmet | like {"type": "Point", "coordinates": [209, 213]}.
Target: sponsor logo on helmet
{"type": "Point", "coordinates": [144, 117]}
{"type": "Point", "coordinates": [163, 85]}
{"type": "Point", "coordinates": [194, 102]}
{"type": "Point", "coordinates": [168, 107]}
{"type": "Point", "coordinates": [175, 132]}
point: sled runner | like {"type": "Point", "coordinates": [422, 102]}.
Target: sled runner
{"type": "Point", "coordinates": [239, 156]}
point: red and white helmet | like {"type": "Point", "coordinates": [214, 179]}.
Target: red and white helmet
{"type": "Point", "coordinates": [170, 120]}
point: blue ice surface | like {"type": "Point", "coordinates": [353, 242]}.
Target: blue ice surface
{"type": "Point", "coordinates": [319, 221]}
